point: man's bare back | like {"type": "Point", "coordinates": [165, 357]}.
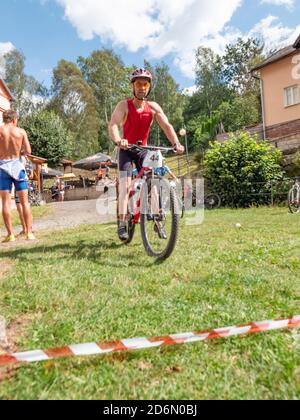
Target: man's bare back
{"type": "Point", "coordinates": [13, 142]}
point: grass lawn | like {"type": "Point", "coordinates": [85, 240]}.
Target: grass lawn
{"type": "Point", "coordinates": [82, 285]}
{"type": "Point", "coordinates": [37, 212]}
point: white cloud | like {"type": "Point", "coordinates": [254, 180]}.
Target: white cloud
{"type": "Point", "coordinates": [5, 47]}
{"type": "Point", "coordinates": [35, 100]}
{"type": "Point", "coordinates": [190, 90]}
{"type": "Point", "coordinates": [287, 3]}
{"type": "Point", "coordinates": [176, 27]}
{"type": "Point", "coordinates": [274, 33]}
{"type": "Point", "coordinates": [161, 26]}
{"type": "Point", "coordinates": [127, 23]}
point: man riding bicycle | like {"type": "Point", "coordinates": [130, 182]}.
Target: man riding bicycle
{"type": "Point", "coordinates": [135, 117]}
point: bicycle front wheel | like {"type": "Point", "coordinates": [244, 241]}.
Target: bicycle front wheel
{"type": "Point", "coordinates": [159, 220]}
{"type": "Point", "coordinates": [294, 200]}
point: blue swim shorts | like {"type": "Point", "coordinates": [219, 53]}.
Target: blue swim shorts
{"type": "Point", "coordinates": [6, 182]}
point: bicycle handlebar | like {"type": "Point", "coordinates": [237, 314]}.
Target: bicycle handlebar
{"type": "Point", "coordinates": [162, 149]}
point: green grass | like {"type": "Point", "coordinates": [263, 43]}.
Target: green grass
{"type": "Point", "coordinates": [82, 285]}
{"type": "Point", "coordinates": [37, 213]}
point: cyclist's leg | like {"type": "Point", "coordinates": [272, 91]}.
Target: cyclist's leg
{"type": "Point", "coordinates": [155, 206]}
{"type": "Point", "coordinates": [138, 159]}
{"type": "Point", "coordinates": [125, 177]}
{"type": "Point", "coordinates": [157, 192]}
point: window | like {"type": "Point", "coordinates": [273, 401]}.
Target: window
{"type": "Point", "coordinates": [291, 96]}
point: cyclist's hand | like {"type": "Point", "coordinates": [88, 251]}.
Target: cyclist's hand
{"type": "Point", "coordinates": [179, 149]}
{"type": "Point", "coordinates": [123, 144]}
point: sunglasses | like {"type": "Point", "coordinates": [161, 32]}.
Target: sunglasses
{"type": "Point", "coordinates": [142, 84]}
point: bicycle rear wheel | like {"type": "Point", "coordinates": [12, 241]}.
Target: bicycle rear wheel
{"type": "Point", "coordinates": [155, 221]}
{"type": "Point", "coordinates": [294, 200]}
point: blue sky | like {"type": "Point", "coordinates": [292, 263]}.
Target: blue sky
{"type": "Point", "coordinates": [169, 30]}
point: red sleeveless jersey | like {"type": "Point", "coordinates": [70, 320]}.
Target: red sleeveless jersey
{"type": "Point", "coordinates": [138, 124]}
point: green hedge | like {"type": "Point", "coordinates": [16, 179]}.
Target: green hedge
{"type": "Point", "coordinates": [242, 170]}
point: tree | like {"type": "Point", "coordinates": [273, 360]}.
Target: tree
{"type": "Point", "coordinates": [296, 160]}
{"type": "Point", "coordinates": [28, 93]}
{"type": "Point", "coordinates": [242, 111]}
{"type": "Point", "coordinates": [73, 100]}
{"type": "Point", "coordinates": [238, 60]}
{"type": "Point", "coordinates": [48, 135]}
{"type": "Point", "coordinates": [206, 132]}
{"type": "Point", "coordinates": [167, 94]}
{"type": "Point", "coordinates": [212, 89]}
{"type": "Point", "coordinates": [241, 170]}
{"type": "Point", "coordinates": [108, 78]}
{"type": "Point", "coordinates": [226, 88]}
{"type": "Point", "coordinates": [203, 105]}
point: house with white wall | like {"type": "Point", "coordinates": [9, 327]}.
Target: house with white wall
{"type": "Point", "coordinates": [5, 98]}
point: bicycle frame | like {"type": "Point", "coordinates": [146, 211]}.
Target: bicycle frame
{"type": "Point", "coordinates": [133, 191]}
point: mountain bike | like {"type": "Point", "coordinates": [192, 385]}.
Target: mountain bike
{"type": "Point", "coordinates": [190, 195]}
{"type": "Point", "coordinates": [148, 206]}
{"type": "Point", "coordinates": [294, 198]}
{"type": "Point", "coordinates": [35, 198]}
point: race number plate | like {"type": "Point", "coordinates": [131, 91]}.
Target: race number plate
{"type": "Point", "coordinates": [153, 159]}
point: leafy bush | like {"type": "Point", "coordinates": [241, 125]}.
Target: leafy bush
{"type": "Point", "coordinates": [296, 164]}
{"type": "Point", "coordinates": [242, 170]}
{"type": "Point", "coordinates": [48, 136]}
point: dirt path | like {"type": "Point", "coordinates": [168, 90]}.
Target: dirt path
{"type": "Point", "coordinates": [71, 214]}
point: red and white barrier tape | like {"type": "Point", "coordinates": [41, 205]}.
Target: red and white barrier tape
{"type": "Point", "coordinates": [105, 347]}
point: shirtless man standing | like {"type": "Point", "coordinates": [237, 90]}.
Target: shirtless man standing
{"type": "Point", "coordinates": [14, 144]}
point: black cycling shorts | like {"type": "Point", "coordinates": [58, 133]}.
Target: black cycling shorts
{"type": "Point", "coordinates": [127, 158]}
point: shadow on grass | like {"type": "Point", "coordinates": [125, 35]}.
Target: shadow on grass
{"type": "Point", "coordinates": [98, 253]}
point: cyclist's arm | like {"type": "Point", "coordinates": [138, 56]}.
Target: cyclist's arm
{"type": "Point", "coordinates": [117, 120]}
{"type": "Point", "coordinates": [165, 125]}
